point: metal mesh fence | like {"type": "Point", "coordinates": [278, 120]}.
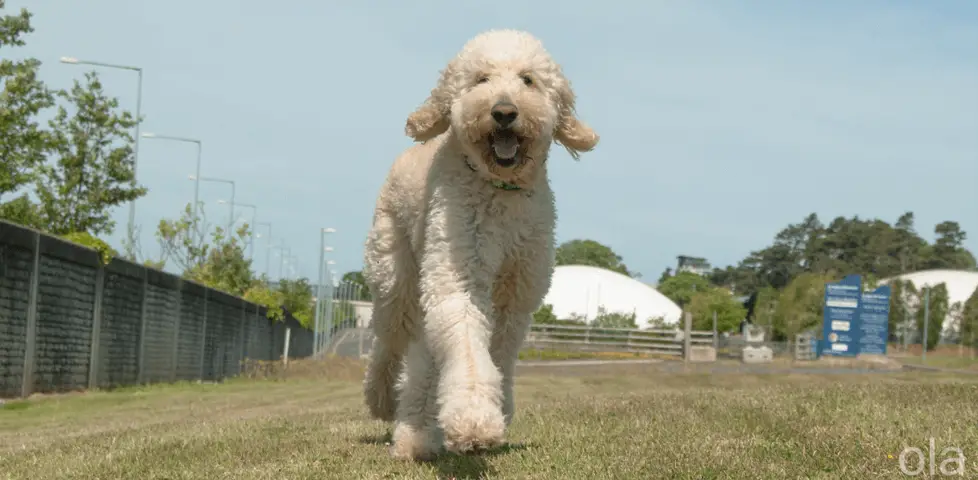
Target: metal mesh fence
{"type": "Point", "coordinates": [67, 322]}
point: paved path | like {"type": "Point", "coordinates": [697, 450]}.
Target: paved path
{"type": "Point", "coordinates": [910, 366]}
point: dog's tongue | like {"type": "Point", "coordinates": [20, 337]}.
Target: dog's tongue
{"type": "Point", "coordinates": [505, 144]}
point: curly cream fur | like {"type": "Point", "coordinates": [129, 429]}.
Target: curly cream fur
{"type": "Point", "coordinates": [457, 266]}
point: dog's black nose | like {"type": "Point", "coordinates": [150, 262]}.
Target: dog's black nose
{"type": "Point", "coordinates": [504, 114]}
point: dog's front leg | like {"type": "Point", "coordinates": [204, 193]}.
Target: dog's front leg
{"type": "Point", "coordinates": [456, 283]}
{"type": "Point", "coordinates": [416, 435]}
{"type": "Point", "coordinates": [469, 384]}
{"type": "Point", "coordinates": [507, 339]}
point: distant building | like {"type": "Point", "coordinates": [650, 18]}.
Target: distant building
{"type": "Point", "coordinates": [579, 291]}
{"type": "Point", "coordinates": [697, 265]}
{"type": "Point", "coordinates": [960, 284]}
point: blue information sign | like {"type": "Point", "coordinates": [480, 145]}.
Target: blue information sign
{"type": "Point", "coordinates": [874, 321]}
{"type": "Point", "coordinates": [855, 321]}
{"type": "Point", "coordinates": [841, 317]}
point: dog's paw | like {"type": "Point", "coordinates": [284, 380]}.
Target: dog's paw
{"type": "Point", "coordinates": [410, 444]}
{"type": "Point", "coordinates": [473, 428]}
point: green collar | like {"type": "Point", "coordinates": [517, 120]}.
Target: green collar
{"type": "Point", "coordinates": [505, 185]}
{"type": "Point", "coordinates": [495, 183]}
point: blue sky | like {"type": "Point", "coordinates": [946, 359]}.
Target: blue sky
{"type": "Point", "coordinates": [721, 122]}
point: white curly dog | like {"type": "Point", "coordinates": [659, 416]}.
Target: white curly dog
{"type": "Point", "coordinates": [461, 250]}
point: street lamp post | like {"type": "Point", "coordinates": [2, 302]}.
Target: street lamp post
{"type": "Point", "coordinates": [282, 249]}
{"type": "Point", "coordinates": [268, 250]}
{"type": "Point", "coordinates": [319, 286]}
{"type": "Point", "coordinates": [130, 227]}
{"type": "Point", "coordinates": [328, 304]}
{"type": "Point", "coordinates": [199, 144]}
{"type": "Point", "coordinates": [254, 218]}
{"type": "Point", "coordinates": [198, 178]}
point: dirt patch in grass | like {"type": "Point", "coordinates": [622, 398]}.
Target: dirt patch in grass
{"type": "Point", "coordinates": [603, 422]}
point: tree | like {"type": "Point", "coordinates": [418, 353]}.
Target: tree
{"type": "Point", "coordinates": [729, 311]}
{"type": "Point", "coordinates": [93, 169]}
{"type": "Point", "coordinates": [592, 253]}
{"type": "Point", "coordinates": [737, 279]}
{"type": "Point", "coordinates": [681, 287]}
{"type": "Point", "coordinates": [903, 294]}
{"type": "Point", "coordinates": [948, 250]}
{"type": "Point", "coordinates": [765, 305]}
{"type": "Point", "coordinates": [545, 315]}
{"type": "Point", "coordinates": [23, 143]}
{"type": "Point", "coordinates": [225, 267]}
{"type": "Point", "coordinates": [872, 248]}
{"type": "Point", "coordinates": [908, 243]}
{"type": "Point", "coordinates": [359, 285]}
{"type": "Point", "coordinates": [260, 293]}
{"type": "Point", "coordinates": [969, 321]}
{"type": "Point", "coordinates": [606, 319]}
{"type": "Point", "coordinates": [938, 308]}
{"type": "Point", "coordinates": [953, 321]}
{"type": "Point", "coordinates": [658, 323]}
{"type": "Point", "coordinates": [799, 306]}
{"type": "Point", "coordinates": [665, 275]}
{"type": "Point", "coordinates": [183, 241]}
{"type": "Point", "coordinates": [297, 299]}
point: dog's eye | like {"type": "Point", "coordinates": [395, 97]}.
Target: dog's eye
{"type": "Point", "coordinates": [483, 79]}
{"type": "Point", "coordinates": [528, 80]}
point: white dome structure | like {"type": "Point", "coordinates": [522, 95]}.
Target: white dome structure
{"type": "Point", "coordinates": [578, 290]}
{"type": "Point", "coordinates": [960, 283]}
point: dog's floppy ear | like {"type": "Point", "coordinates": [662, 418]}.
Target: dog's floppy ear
{"type": "Point", "coordinates": [432, 117]}
{"type": "Point", "coordinates": [572, 133]}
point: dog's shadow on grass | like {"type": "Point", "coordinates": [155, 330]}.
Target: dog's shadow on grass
{"type": "Point", "coordinates": [453, 466]}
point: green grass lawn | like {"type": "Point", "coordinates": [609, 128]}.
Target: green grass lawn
{"type": "Point", "coordinates": [606, 422]}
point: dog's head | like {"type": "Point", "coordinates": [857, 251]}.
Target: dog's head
{"type": "Point", "coordinates": [505, 100]}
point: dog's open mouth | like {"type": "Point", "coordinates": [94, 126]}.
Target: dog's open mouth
{"type": "Point", "coordinates": [505, 145]}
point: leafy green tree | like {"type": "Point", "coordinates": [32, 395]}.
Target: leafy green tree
{"type": "Point", "coordinates": [768, 300]}
{"type": "Point", "coordinates": [592, 253]}
{"type": "Point", "coordinates": [902, 295]}
{"type": "Point", "coordinates": [665, 275]}
{"type": "Point", "coordinates": [729, 311]}
{"type": "Point", "coordinates": [183, 241]}
{"type": "Point", "coordinates": [938, 308]}
{"type": "Point", "coordinates": [545, 315]}
{"type": "Point", "coordinates": [657, 323]}
{"type": "Point", "coordinates": [969, 321]}
{"type": "Point", "coordinates": [226, 266]}
{"type": "Point", "coordinates": [737, 279]}
{"type": "Point", "coordinates": [358, 284]}
{"type": "Point", "coordinates": [606, 319]}
{"type": "Point", "coordinates": [872, 248]}
{"type": "Point", "coordinates": [681, 287]}
{"type": "Point", "coordinates": [907, 244]}
{"type": "Point", "coordinates": [799, 306]}
{"type": "Point", "coordinates": [260, 293]}
{"type": "Point", "coordinates": [948, 250]}
{"type": "Point", "coordinates": [105, 251]}
{"type": "Point", "coordinates": [297, 298]}
{"type": "Point", "coordinates": [23, 211]}
{"type": "Point", "coordinates": [93, 168]}
{"type": "Point", "coordinates": [23, 142]}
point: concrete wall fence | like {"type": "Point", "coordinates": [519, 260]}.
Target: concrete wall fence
{"type": "Point", "coordinates": [68, 322]}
